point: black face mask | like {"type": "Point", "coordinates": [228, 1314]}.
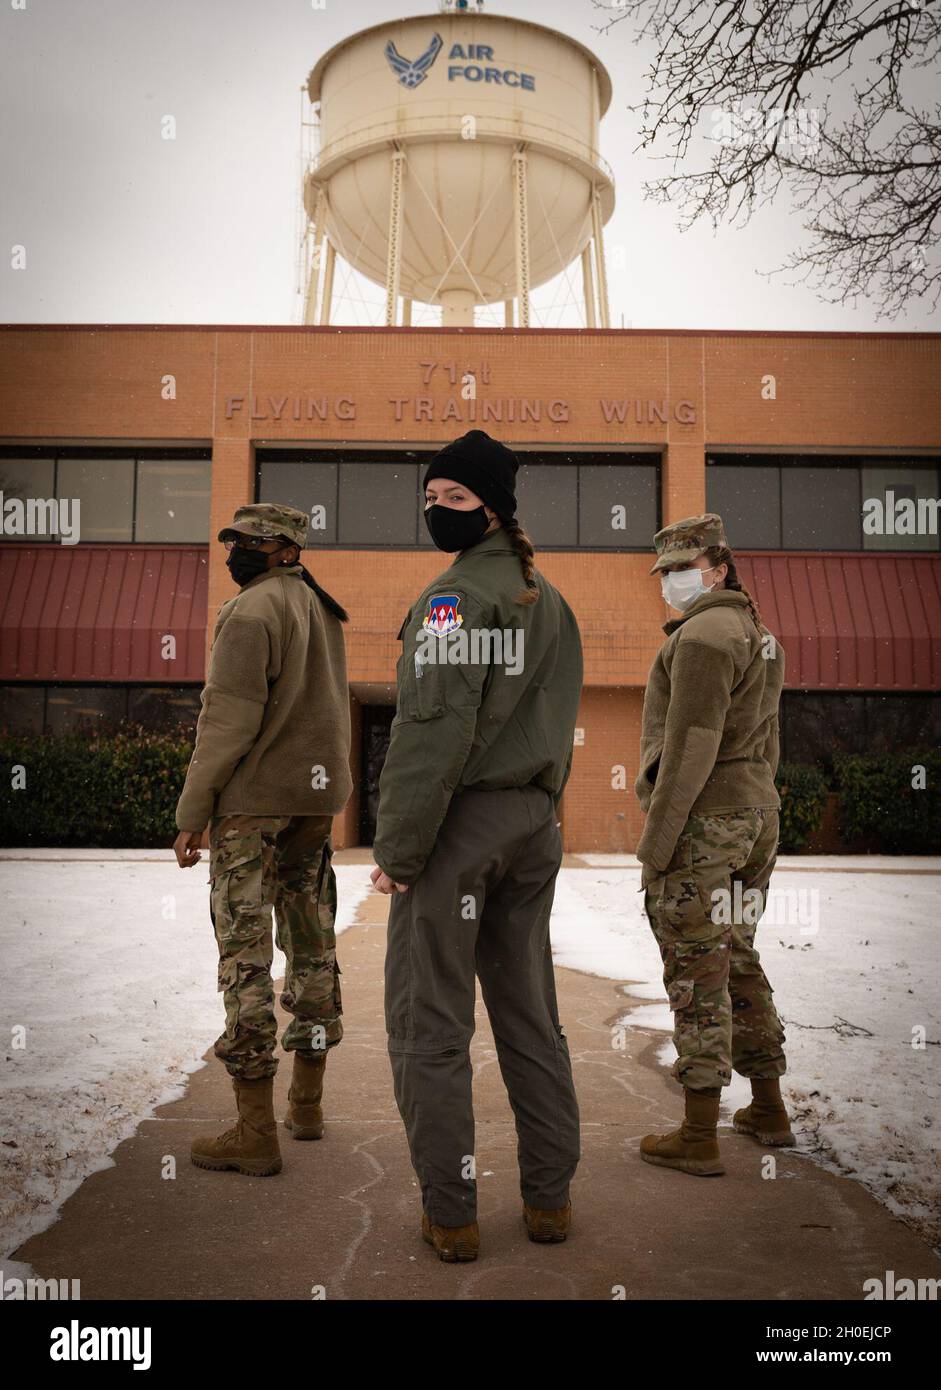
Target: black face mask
{"type": "Point", "coordinates": [244, 564]}
{"type": "Point", "coordinates": [453, 530]}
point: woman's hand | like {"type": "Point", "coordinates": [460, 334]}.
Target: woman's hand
{"type": "Point", "coordinates": [384, 884]}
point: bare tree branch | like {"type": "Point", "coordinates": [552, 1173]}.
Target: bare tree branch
{"type": "Point", "coordinates": [761, 74]}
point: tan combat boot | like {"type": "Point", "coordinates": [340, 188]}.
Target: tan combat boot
{"type": "Point", "coordinates": [305, 1117]}
{"type": "Point", "coordinates": [766, 1118]}
{"type": "Point", "coordinates": [252, 1146]}
{"type": "Point", "coordinates": [694, 1147]}
{"type": "Point", "coordinates": [547, 1227]}
{"type": "Point", "coordinates": [453, 1244]}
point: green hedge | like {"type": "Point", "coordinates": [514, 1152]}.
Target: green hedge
{"type": "Point", "coordinates": [879, 804]}
{"type": "Point", "coordinates": [113, 790]}
{"type": "Point", "coordinates": [119, 790]}
{"type": "Point", "coordinates": [803, 791]}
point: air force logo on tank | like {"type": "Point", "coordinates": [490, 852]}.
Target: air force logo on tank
{"type": "Point", "coordinates": [476, 65]}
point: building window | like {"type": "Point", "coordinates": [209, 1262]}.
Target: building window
{"type": "Point", "coordinates": [62, 709]}
{"type": "Point", "coordinates": [566, 501]}
{"type": "Point", "coordinates": [816, 725]}
{"type": "Point", "coordinates": [105, 489]}
{"type": "Point", "coordinates": [771, 502]}
{"type": "Point", "coordinates": [156, 495]}
{"type": "Point", "coordinates": [23, 709]}
{"type": "Point", "coordinates": [172, 502]}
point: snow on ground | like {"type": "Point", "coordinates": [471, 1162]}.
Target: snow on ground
{"type": "Point", "coordinates": [854, 959]}
{"type": "Point", "coordinates": [92, 944]}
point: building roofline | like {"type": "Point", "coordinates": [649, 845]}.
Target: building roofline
{"type": "Point", "coordinates": [482, 330]}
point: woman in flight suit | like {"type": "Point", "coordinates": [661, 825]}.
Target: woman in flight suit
{"type": "Point", "coordinates": [709, 753]}
{"type": "Point", "coordinates": [468, 844]}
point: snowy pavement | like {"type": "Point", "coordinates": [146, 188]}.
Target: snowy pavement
{"type": "Point", "coordinates": [109, 1002]}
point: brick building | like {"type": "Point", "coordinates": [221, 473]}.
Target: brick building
{"type": "Point", "coordinates": [161, 432]}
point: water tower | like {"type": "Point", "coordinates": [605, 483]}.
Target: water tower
{"type": "Point", "coordinates": [458, 165]}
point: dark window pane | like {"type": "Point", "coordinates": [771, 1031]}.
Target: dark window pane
{"type": "Point", "coordinates": [377, 504]}
{"type": "Point", "coordinates": [820, 509]}
{"type": "Point", "coordinates": [92, 707]}
{"type": "Point", "coordinates": [105, 489]}
{"type": "Point", "coordinates": [617, 505]}
{"type": "Point", "coordinates": [164, 708]}
{"type": "Point", "coordinates": [547, 503]}
{"type": "Point", "coordinates": [28, 480]}
{"type": "Point", "coordinates": [311, 487]}
{"type": "Point", "coordinates": [817, 726]}
{"type": "Point", "coordinates": [747, 498]}
{"type": "Point", "coordinates": [21, 708]}
{"type": "Point", "coordinates": [172, 500]}
{"type": "Point", "coordinates": [903, 481]}
{"type": "Point", "coordinates": [897, 722]}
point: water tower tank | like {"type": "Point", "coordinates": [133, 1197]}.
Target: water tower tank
{"type": "Point", "coordinates": [459, 162]}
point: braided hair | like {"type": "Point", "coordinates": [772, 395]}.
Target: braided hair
{"type": "Point", "coordinates": [524, 549]}
{"type": "Point", "coordinates": [722, 555]}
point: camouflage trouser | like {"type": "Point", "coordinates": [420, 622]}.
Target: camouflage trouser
{"type": "Point", "coordinates": [257, 863]}
{"type": "Point", "coordinates": [724, 1015]}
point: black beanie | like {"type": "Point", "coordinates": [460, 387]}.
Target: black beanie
{"type": "Point", "coordinates": [484, 465]}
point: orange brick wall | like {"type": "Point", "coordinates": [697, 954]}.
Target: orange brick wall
{"type": "Point", "coordinates": [859, 392]}
{"type": "Point", "coordinates": [599, 809]}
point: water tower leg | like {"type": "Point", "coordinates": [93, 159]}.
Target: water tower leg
{"type": "Point", "coordinates": [507, 313]}
{"type": "Point", "coordinates": [598, 238]}
{"type": "Point", "coordinates": [588, 288]}
{"type": "Point", "coordinates": [313, 279]}
{"type": "Point", "coordinates": [457, 308]}
{"type": "Point", "coordinates": [521, 226]}
{"type": "Point", "coordinates": [394, 261]}
{"type": "Point", "coordinates": [326, 302]}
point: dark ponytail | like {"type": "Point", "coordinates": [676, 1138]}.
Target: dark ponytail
{"type": "Point", "coordinates": [721, 555]}
{"type": "Point", "coordinates": [328, 602]}
{"type": "Point", "coordinates": [326, 599]}
{"type": "Point", "coordinates": [524, 549]}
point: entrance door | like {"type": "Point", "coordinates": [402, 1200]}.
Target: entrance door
{"type": "Point", "coordinates": [377, 723]}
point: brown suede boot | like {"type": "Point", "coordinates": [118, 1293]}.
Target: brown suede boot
{"type": "Point", "coordinates": [453, 1244]}
{"type": "Point", "coordinates": [547, 1226]}
{"type": "Point", "coordinates": [305, 1117]}
{"type": "Point", "coordinates": [766, 1118]}
{"type": "Point", "coordinates": [252, 1146]}
{"type": "Point", "coordinates": [694, 1147]}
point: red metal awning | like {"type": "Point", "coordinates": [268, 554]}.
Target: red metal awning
{"type": "Point", "coordinates": [102, 612]}
{"type": "Point", "coordinates": [851, 622]}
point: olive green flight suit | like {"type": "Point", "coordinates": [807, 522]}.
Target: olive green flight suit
{"type": "Point", "coordinates": [480, 751]}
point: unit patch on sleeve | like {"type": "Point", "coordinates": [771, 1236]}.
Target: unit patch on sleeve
{"type": "Point", "coordinates": [442, 615]}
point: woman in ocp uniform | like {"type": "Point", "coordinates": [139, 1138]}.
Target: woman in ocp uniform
{"type": "Point", "coordinates": [709, 753]}
{"type": "Point", "coordinates": [468, 843]}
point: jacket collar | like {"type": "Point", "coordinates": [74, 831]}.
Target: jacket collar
{"type": "Point", "coordinates": [270, 574]}
{"type": "Point", "coordinates": [723, 596]}
{"type": "Point", "coordinates": [495, 543]}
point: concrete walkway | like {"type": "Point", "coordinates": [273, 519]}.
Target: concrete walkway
{"type": "Point", "coordinates": [344, 1213]}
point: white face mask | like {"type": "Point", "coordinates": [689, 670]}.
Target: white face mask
{"type": "Point", "coordinates": [680, 588]}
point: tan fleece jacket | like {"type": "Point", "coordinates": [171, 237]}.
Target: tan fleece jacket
{"type": "Point", "coordinates": [273, 736]}
{"type": "Point", "coordinates": [709, 740]}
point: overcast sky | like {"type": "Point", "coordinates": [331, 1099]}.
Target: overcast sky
{"type": "Point", "coordinates": [122, 226]}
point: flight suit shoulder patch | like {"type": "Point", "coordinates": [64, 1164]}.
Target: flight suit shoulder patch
{"type": "Point", "coordinates": [442, 613]}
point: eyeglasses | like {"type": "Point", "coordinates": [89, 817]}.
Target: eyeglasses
{"type": "Point", "coordinates": [250, 542]}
